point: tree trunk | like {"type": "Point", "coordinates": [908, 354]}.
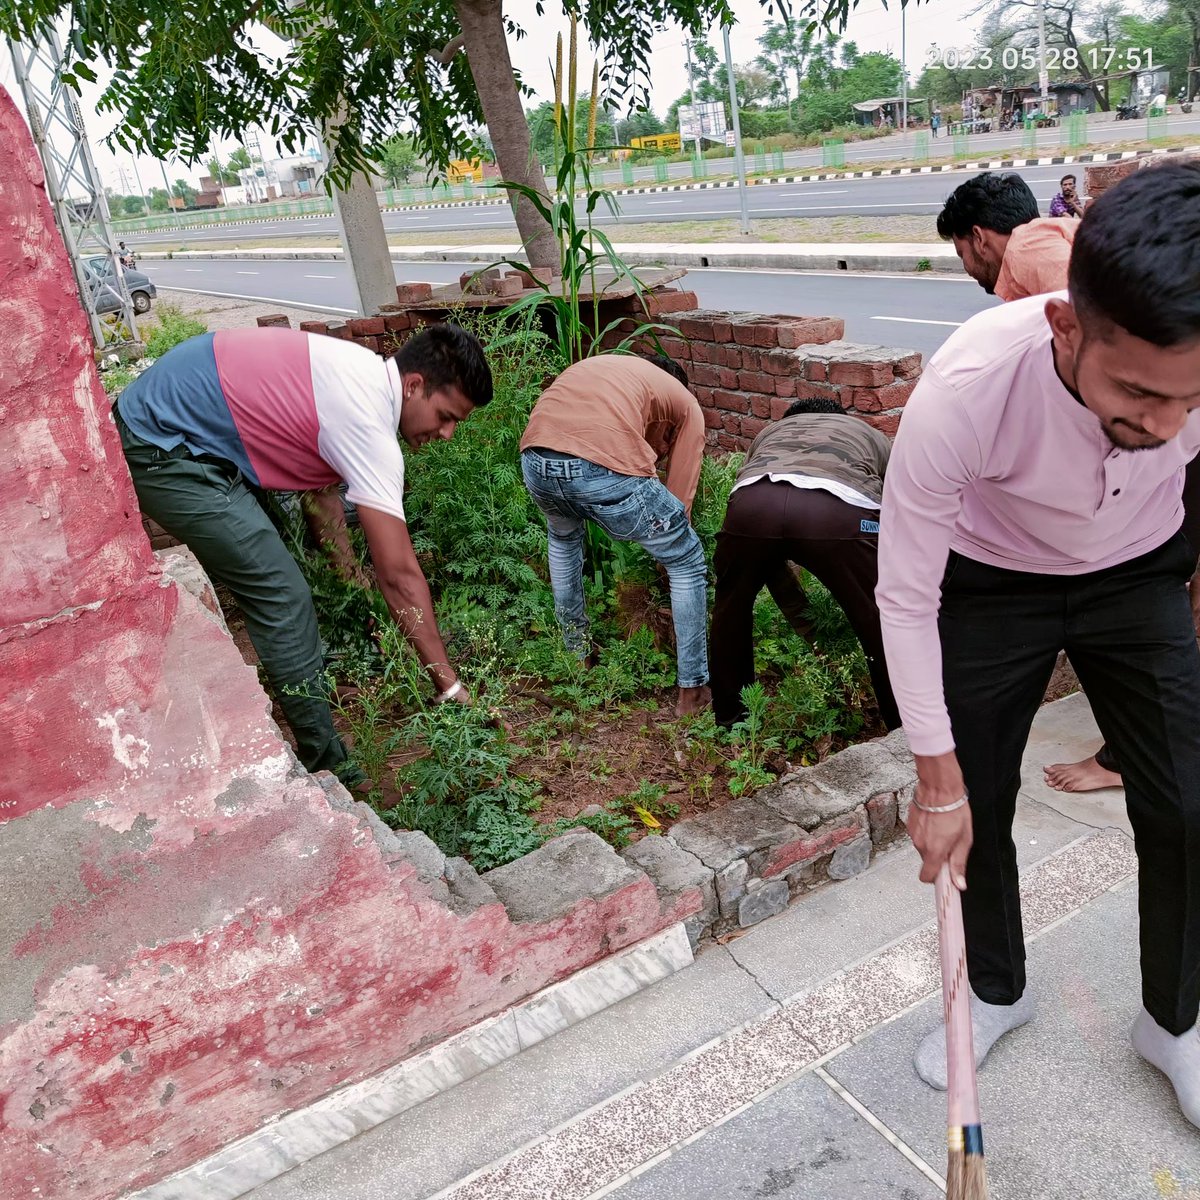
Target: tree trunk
{"type": "Point", "coordinates": [487, 52]}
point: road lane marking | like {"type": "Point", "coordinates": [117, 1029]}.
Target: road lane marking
{"type": "Point", "coordinates": [664, 201]}
{"type": "Point", "coordinates": [324, 308]}
{"type": "Point", "coordinates": [821, 192]}
{"type": "Point", "coordinates": [194, 270]}
{"type": "Point", "coordinates": [247, 272]}
{"type": "Point", "coordinates": [320, 277]}
{"type": "Point", "coordinates": [918, 321]}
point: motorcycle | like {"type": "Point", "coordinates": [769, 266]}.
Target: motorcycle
{"type": "Point", "coordinates": [1129, 112]}
{"type": "Point", "coordinates": [1185, 105]}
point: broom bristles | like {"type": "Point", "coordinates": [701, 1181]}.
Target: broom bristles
{"type": "Point", "coordinates": [966, 1172]}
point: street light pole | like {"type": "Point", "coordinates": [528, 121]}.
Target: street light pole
{"type": "Point", "coordinates": [903, 66]}
{"type": "Point", "coordinates": [141, 190]}
{"type": "Point", "coordinates": [1043, 76]}
{"type": "Point", "coordinates": [737, 133]}
{"type": "Point", "coordinates": [692, 96]}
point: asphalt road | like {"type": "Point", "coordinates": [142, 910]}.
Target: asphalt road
{"type": "Point", "coordinates": [883, 196]}
{"type": "Point", "coordinates": [918, 313]}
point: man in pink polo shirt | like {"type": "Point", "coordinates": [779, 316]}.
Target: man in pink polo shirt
{"type": "Point", "coordinates": [225, 416]}
{"type": "Point", "coordinates": [1032, 505]}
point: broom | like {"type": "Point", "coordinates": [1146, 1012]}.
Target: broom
{"type": "Point", "coordinates": [966, 1176]}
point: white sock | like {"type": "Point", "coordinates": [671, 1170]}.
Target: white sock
{"type": "Point", "coordinates": [989, 1023]}
{"type": "Point", "coordinates": [1177, 1057]}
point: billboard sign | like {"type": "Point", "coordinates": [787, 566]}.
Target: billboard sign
{"type": "Point", "coordinates": [705, 120]}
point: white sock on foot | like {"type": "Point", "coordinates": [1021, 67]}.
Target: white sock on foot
{"type": "Point", "coordinates": [1177, 1057]}
{"type": "Point", "coordinates": [989, 1023]}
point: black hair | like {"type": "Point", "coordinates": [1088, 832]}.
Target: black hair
{"type": "Point", "coordinates": [669, 365]}
{"type": "Point", "coordinates": [999, 201]}
{"type": "Point", "coordinates": [818, 404]}
{"type": "Point", "coordinates": [1065, 178]}
{"type": "Point", "coordinates": [1136, 259]}
{"type": "Point", "coordinates": [446, 355]}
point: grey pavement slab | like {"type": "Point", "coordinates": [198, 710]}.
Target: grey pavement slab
{"type": "Point", "coordinates": [447, 1137]}
{"type": "Point", "coordinates": [839, 925]}
{"type": "Point", "coordinates": [1069, 1110]}
{"type": "Point", "coordinates": [800, 1143]}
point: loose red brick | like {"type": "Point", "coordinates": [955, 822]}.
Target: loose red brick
{"type": "Point", "coordinates": [532, 277]}
{"type": "Point", "coordinates": [885, 422]}
{"type": "Point", "coordinates": [896, 395]}
{"type": "Point", "coordinates": [698, 328]}
{"type": "Point", "coordinates": [860, 374]}
{"type": "Point", "coordinates": [810, 331]}
{"type": "Point", "coordinates": [865, 400]}
{"type": "Point", "coordinates": [760, 406]}
{"type": "Point", "coordinates": [397, 322]}
{"type": "Point", "coordinates": [338, 329]}
{"type": "Point", "coordinates": [785, 385]}
{"type": "Point", "coordinates": [908, 367]}
{"type": "Point", "coordinates": [752, 427]}
{"type": "Point", "coordinates": [658, 303]}
{"type": "Point", "coordinates": [505, 285]}
{"type": "Point", "coordinates": [274, 321]}
{"type": "Point", "coordinates": [313, 327]}
{"type": "Point", "coordinates": [366, 327]}
{"type": "Point", "coordinates": [704, 375]}
{"type": "Point", "coordinates": [731, 401]}
{"type": "Point", "coordinates": [756, 381]}
{"type": "Point", "coordinates": [413, 293]}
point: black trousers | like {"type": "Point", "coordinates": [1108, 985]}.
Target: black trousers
{"type": "Point", "coordinates": [767, 526]}
{"type": "Point", "coordinates": [1128, 632]}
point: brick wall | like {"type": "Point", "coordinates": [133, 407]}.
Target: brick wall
{"type": "Point", "coordinates": [745, 368]}
{"type": "Point", "coordinates": [1101, 178]}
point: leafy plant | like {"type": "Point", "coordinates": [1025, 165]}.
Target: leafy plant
{"type": "Point", "coordinates": [173, 327]}
{"type": "Point", "coordinates": [649, 805]}
{"type": "Point", "coordinates": [753, 744]}
{"type": "Point", "coordinates": [611, 823]}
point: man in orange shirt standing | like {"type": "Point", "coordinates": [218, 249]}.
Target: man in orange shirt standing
{"type": "Point", "coordinates": [591, 453]}
{"type": "Point", "coordinates": [1005, 245]}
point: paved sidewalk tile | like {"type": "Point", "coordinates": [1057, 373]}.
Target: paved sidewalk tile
{"type": "Point", "coordinates": [1069, 1110]}
{"type": "Point", "coordinates": [801, 1143]}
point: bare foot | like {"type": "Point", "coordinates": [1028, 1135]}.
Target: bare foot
{"type": "Point", "coordinates": [1086, 776]}
{"type": "Point", "coordinates": [692, 700]}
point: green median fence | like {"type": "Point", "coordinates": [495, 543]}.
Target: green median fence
{"type": "Point", "coordinates": [921, 146]}
{"type": "Point", "coordinates": [962, 144]}
{"type": "Point", "coordinates": [777, 163]}
{"type": "Point", "coordinates": [833, 152]}
{"type": "Point", "coordinates": [660, 170]}
{"type": "Point", "coordinates": [1156, 124]}
{"type": "Point", "coordinates": [1029, 137]}
{"type": "Point", "coordinates": [1072, 131]}
{"type": "Point", "coordinates": [760, 159]}
{"type": "Point", "coordinates": [699, 166]}
{"type": "Point", "coordinates": [626, 171]}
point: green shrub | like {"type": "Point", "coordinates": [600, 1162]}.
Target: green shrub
{"type": "Point", "coordinates": [173, 327]}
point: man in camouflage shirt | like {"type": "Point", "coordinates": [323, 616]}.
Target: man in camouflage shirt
{"type": "Point", "coordinates": [808, 493]}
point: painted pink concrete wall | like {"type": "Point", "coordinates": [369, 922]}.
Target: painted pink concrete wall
{"type": "Point", "coordinates": [193, 938]}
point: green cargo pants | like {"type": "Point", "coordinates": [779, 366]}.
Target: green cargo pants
{"type": "Point", "coordinates": [207, 504]}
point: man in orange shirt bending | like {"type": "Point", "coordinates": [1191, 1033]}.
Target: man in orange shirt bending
{"type": "Point", "coordinates": [590, 453]}
{"type": "Point", "coordinates": [1005, 246]}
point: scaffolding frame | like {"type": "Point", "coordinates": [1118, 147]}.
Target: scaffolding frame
{"type": "Point", "coordinates": [74, 185]}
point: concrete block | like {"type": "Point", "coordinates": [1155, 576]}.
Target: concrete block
{"type": "Point", "coordinates": [851, 859]}
{"type": "Point", "coordinates": [467, 890]}
{"type": "Point", "coordinates": [551, 880]}
{"type": "Point", "coordinates": [731, 883]}
{"type": "Point", "coordinates": [882, 813]}
{"type": "Point", "coordinates": [675, 872]}
{"type": "Point", "coordinates": [768, 901]}
{"type": "Point", "coordinates": [719, 838]}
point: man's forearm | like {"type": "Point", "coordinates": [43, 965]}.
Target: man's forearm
{"type": "Point", "coordinates": [326, 519]}
{"type": "Point", "coordinates": [411, 605]}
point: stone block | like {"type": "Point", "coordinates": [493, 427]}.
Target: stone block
{"type": "Point", "coordinates": [794, 332]}
{"type": "Point", "coordinates": [731, 882]}
{"type": "Point", "coordinates": [720, 837]}
{"type": "Point", "coordinates": [413, 293]}
{"type": "Point", "coordinates": [273, 321]}
{"type": "Point", "coordinates": [338, 329]}
{"type": "Point", "coordinates": [467, 889]}
{"type": "Point", "coordinates": [657, 303]}
{"type": "Point", "coordinates": [768, 901]}
{"type": "Point", "coordinates": [549, 882]}
{"type": "Point", "coordinates": [508, 285]}
{"type": "Point", "coordinates": [882, 813]}
{"type": "Point", "coordinates": [181, 565]}
{"type": "Point", "coordinates": [850, 859]}
{"type": "Point", "coordinates": [808, 847]}
{"type": "Point", "coordinates": [314, 327]}
{"type": "Point", "coordinates": [675, 872]}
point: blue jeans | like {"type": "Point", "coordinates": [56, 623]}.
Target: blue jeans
{"type": "Point", "coordinates": [629, 508]}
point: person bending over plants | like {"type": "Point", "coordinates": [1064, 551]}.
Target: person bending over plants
{"type": "Point", "coordinates": [226, 416]}
{"type": "Point", "coordinates": [591, 453]}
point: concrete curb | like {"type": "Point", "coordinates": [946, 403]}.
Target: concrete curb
{"type": "Point", "coordinates": [703, 185]}
{"type": "Point", "coordinates": [881, 257]}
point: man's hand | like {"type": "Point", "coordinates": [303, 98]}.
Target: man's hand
{"type": "Point", "coordinates": [941, 837]}
{"type": "Point", "coordinates": [461, 696]}
{"type": "Point", "coordinates": [1194, 595]}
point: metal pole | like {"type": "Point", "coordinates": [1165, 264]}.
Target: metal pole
{"type": "Point", "coordinates": [903, 66]}
{"type": "Point", "coordinates": [170, 207]}
{"type": "Point", "coordinates": [692, 94]}
{"type": "Point", "coordinates": [141, 190]}
{"type": "Point", "coordinates": [1043, 76]}
{"type": "Point", "coordinates": [737, 134]}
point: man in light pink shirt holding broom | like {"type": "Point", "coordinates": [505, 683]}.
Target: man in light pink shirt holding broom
{"type": "Point", "coordinates": [1032, 505]}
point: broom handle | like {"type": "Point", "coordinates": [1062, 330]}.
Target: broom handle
{"type": "Point", "coordinates": [960, 1050]}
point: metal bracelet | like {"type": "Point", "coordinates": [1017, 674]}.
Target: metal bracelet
{"type": "Point", "coordinates": [450, 692]}
{"type": "Point", "coordinates": [944, 808]}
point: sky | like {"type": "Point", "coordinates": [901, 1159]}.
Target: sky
{"type": "Point", "coordinates": [871, 26]}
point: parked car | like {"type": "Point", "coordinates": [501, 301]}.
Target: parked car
{"type": "Point", "coordinates": [104, 289]}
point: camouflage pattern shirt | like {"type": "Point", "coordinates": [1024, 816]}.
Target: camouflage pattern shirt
{"type": "Point", "coordinates": [844, 450]}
